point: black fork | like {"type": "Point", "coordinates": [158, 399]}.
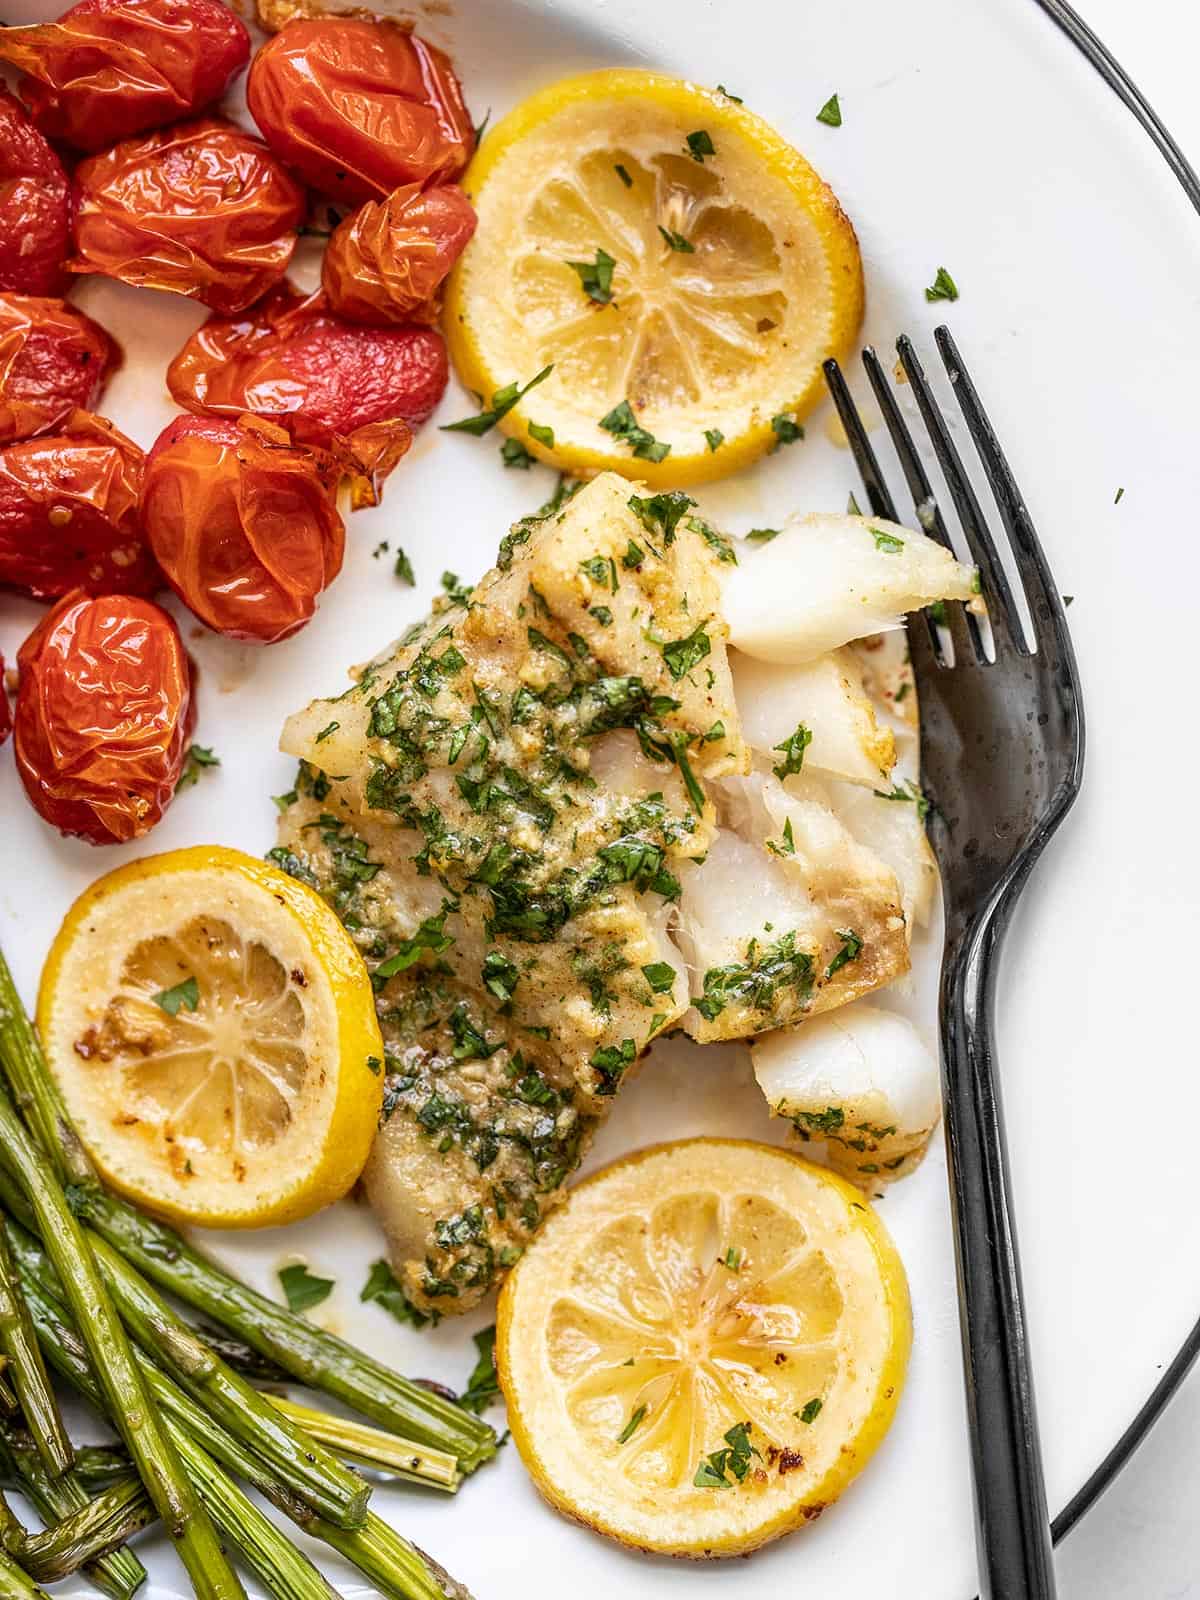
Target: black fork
{"type": "Point", "coordinates": [1002, 759]}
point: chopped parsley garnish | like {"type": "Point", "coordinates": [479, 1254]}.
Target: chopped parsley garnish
{"type": "Point", "coordinates": [715, 541]}
{"type": "Point", "coordinates": [404, 569]}
{"type": "Point", "coordinates": [812, 1410]}
{"type": "Point", "coordinates": [714, 438]}
{"type": "Point", "coordinates": [659, 514]}
{"type": "Point", "coordinates": [886, 541]}
{"type": "Point", "coordinates": [197, 760]}
{"type": "Point", "coordinates": [736, 98]}
{"type": "Point", "coordinates": [184, 996]}
{"type": "Point", "coordinates": [601, 570]}
{"type": "Point", "coordinates": [831, 113]}
{"type": "Point", "coordinates": [502, 403]}
{"type": "Point", "coordinates": [943, 287]}
{"type": "Point", "coordinates": [500, 976]}
{"type": "Point", "coordinates": [302, 1288]}
{"type": "Point", "coordinates": [430, 938]}
{"type": "Point", "coordinates": [937, 610]}
{"type": "Point", "coordinates": [623, 175]}
{"type": "Point", "coordinates": [624, 425]}
{"type": "Point", "coordinates": [785, 846]}
{"type": "Point", "coordinates": [758, 980]}
{"type": "Point", "coordinates": [700, 145]}
{"type": "Point", "coordinates": [732, 1259]}
{"type": "Point", "coordinates": [852, 506]}
{"type": "Point", "coordinates": [826, 1122]}
{"type": "Point", "coordinates": [514, 454]}
{"type": "Point", "coordinates": [483, 1386]}
{"type": "Point", "coordinates": [723, 1469]}
{"type": "Point", "coordinates": [595, 277]}
{"type": "Point", "coordinates": [542, 434]}
{"type": "Point", "coordinates": [850, 951]}
{"type": "Point", "coordinates": [602, 615]}
{"type": "Point", "coordinates": [763, 535]}
{"type": "Point", "coordinates": [460, 595]}
{"type": "Point", "coordinates": [632, 1426]}
{"type": "Point", "coordinates": [715, 733]}
{"type": "Point", "coordinates": [786, 430]}
{"type": "Point", "coordinates": [676, 241]}
{"type": "Point", "coordinates": [792, 748]}
{"type": "Point", "coordinates": [681, 655]}
{"type": "Point", "coordinates": [660, 975]}
{"type": "Point", "coordinates": [383, 1287]}
{"type": "Point", "coordinates": [907, 791]}
{"type": "Point", "coordinates": [329, 728]}
{"type": "Point", "coordinates": [611, 1062]}
{"type": "Point", "coordinates": [1117, 496]}
{"type": "Point", "coordinates": [634, 556]}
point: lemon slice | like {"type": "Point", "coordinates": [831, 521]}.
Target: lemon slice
{"type": "Point", "coordinates": [703, 1346]}
{"type": "Point", "coordinates": [734, 274]}
{"type": "Point", "coordinates": [213, 1030]}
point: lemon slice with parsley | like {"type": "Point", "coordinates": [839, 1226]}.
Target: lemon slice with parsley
{"type": "Point", "coordinates": [682, 269]}
{"type": "Point", "coordinates": [703, 1346]}
{"type": "Point", "coordinates": [212, 1028]}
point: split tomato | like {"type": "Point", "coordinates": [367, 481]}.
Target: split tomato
{"type": "Point", "coordinates": [387, 261]}
{"type": "Point", "coordinates": [354, 390]}
{"type": "Point", "coordinates": [359, 107]}
{"type": "Point", "coordinates": [108, 69]}
{"type": "Point", "coordinates": [243, 523]}
{"type": "Point", "coordinates": [200, 209]}
{"type": "Point", "coordinates": [53, 360]}
{"type": "Point", "coordinates": [35, 207]}
{"type": "Point", "coordinates": [69, 512]}
{"type": "Point", "coordinates": [104, 715]}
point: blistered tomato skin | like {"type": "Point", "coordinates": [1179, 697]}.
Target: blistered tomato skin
{"type": "Point", "coordinates": [243, 523]}
{"type": "Point", "coordinates": [104, 716]}
{"type": "Point", "coordinates": [358, 107]}
{"type": "Point", "coordinates": [355, 390]}
{"type": "Point", "coordinates": [388, 261]}
{"type": "Point", "coordinates": [53, 360]}
{"type": "Point", "coordinates": [69, 512]}
{"type": "Point", "coordinates": [35, 207]}
{"type": "Point", "coordinates": [200, 209]}
{"type": "Point", "coordinates": [108, 69]}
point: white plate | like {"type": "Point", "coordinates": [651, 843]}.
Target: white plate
{"type": "Point", "coordinates": [974, 138]}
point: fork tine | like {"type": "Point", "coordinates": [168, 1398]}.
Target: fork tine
{"type": "Point", "coordinates": [911, 465]}
{"type": "Point", "coordinates": [1045, 603]}
{"type": "Point", "coordinates": [882, 504]}
{"type": "Point", "coordinates": [1003, 614]}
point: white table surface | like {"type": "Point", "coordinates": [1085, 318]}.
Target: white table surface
{"type": "Point", "coordinates": [1142, 1540]}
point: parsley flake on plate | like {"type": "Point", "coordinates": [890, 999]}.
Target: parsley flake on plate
{"type": "Point", "coordinates": [831, 113]}
{"type": "Point", "coordinates": [786, 430]}
{"type": "Point", "coordinates": [623, 424]}
{"type": "Point", "coordinates": [302, 1288]}
{"type": "Point", "coordinates": [514, 454]}
{"type": "Point", "coordinates": [383, 1287]}
{"type": "Point", "coordinates": [502, 403]}
{"type": "Point", "coordinates": [197, 760]}
{"type": "Point", "coordinates": [404, 569]}
{"type": "Point", "coordinates": [943, 287]}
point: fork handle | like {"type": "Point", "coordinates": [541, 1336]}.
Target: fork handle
{"type": "Point", "coordinates": [1012, 1527]}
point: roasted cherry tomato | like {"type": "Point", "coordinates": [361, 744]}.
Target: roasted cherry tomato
{"type": "Point", "coordinates": [35, 207]}
{"type": "Point", "coordinates": [354, 390]}
{"type": "Point", "coordinates": [5, 709]}
{"type": "Point", "coordinates": [53, 359]}
{"type": "Point", "coordinates": [359, 107]}
{"type": "Point", "coordinates": [69, 512]}
{"type": "Point", "coordinates": [201, 209]}
{"type": "Point", "coordinates": [104, 715]}
{"type": "Point", "coordinates": [111, 68]}
{"type": "Point", "coordinates": [387, 261]}
{"type": "Point", "coordinates": [243, 523]}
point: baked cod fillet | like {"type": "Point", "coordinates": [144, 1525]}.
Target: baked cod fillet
{"type": "Point", "coordinates": [534, 816]}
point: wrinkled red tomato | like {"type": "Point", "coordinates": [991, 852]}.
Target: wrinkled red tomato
{"type": "Point", "coordinates": [69, 512]}
{"type": "Point", "coordinates": [5, 709]}
{"type": "Point", "coordinates": [200, 209]}
{"type": "Point", "coordinates": [53, 359]}
{"type": "Point", "coordinates": [104, 716]}
{"type": "Point", "coordinates": [35, 207]}
{"type": "Point", "coordinates": [386, 263]}
{"type": "Point", "coordinates": [355, 390]}
{"type": "Point", "coordinates": [111, 68]}
{"type": "Point", "coordinates": [359, 107]}
{"type": "Point", "coordinates": [243, 522]}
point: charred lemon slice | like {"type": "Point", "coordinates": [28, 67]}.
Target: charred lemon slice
{"type": "Point", "coordinates": [213, 1030]}
{"type": "Point", "coordinates": [681, 266]}
{"type": "Point", "coordinates": [703, 1346]}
